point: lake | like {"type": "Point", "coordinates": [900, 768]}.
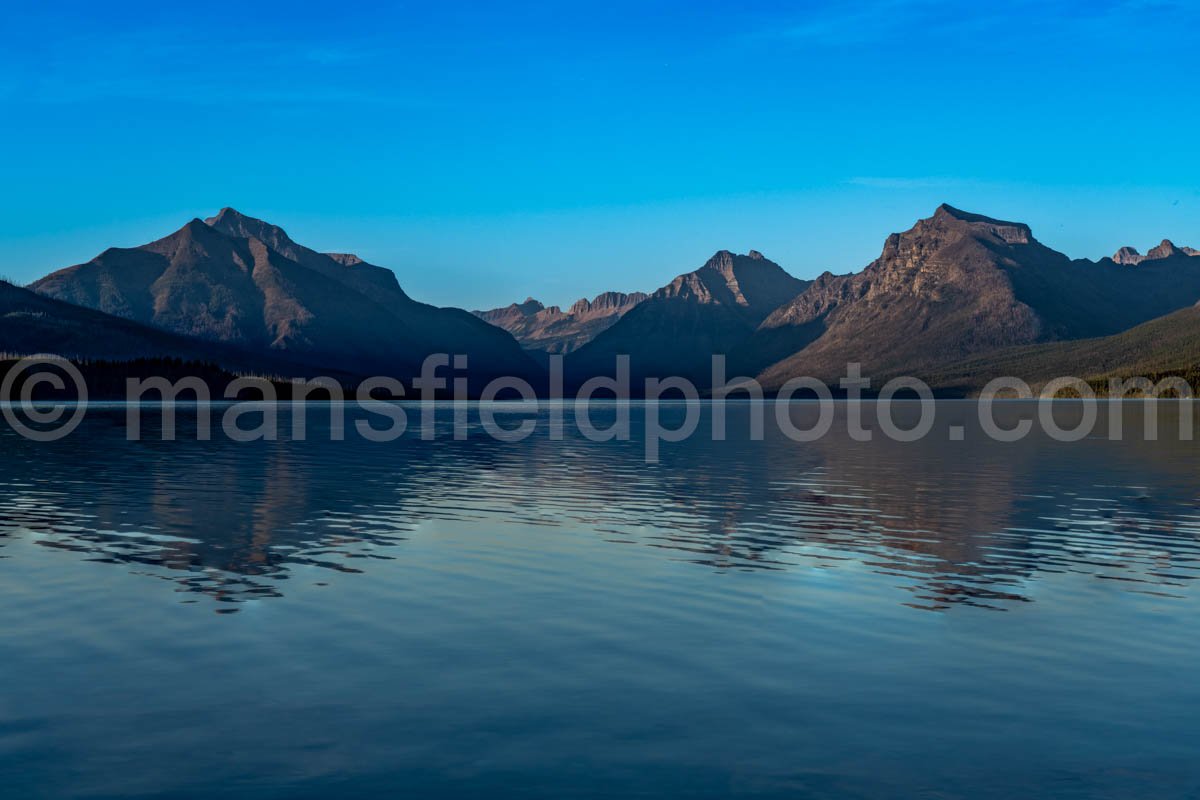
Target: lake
{"type": "Point", "coordinates": [474, 618]}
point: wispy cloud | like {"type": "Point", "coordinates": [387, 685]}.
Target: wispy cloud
{"type": "Point", "coordinates": [880, 21]}
{"type": "Point", "coordinates": [931, 182]}
{"type": "Point", "coordinates": [168, 64]}
{"type": "Point", "coordinates": [846, 23]}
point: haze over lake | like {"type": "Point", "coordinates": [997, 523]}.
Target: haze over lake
{"type": "Point", "coordinates": [473, 618]}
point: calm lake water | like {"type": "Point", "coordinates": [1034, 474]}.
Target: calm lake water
{"type": "Point", "coordinates": [472, 618]}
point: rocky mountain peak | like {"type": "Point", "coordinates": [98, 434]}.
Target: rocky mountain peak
{"type": "Point", "coordinates": [1165, 249]}
{"type": "Point", "coordinates": [1128, 256]}
{"type": "Point", "coordinates": [194, 237]}
{"type": "Point", "coordinates": [227, 215]}
{"type": "Point", "coordinates": [728, 264]}
{"type": "Point", "coordinates": [513, 313]}
{"type": "Point", "coordinates": [343, 267]}
{"type": "Point", "coordinates": [939, 250]}
{"type": "Point", "coordinates": [947, 216]}
{"type": "Point", "coordinates": [721, 261]}
{"type": "Point", "coordinates": [232, 222]}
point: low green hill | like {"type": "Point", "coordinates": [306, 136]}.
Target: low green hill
{"type": "Point", "coordinates": [1169, 345]}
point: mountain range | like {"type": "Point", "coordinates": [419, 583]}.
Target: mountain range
{"type": "Point", "coordinates": [956, 299]}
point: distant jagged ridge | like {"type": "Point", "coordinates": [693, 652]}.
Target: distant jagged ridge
{"type": "Point", "coordinates": [549, 329]}
{"type": "Point", "coordinates": [1130, 256]}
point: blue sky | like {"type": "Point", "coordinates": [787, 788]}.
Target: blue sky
{"type": "Point", "coordinates": [491, 151]}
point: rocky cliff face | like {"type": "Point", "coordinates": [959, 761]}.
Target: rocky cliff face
{"type": "Point", "coordinates": [552, 330]}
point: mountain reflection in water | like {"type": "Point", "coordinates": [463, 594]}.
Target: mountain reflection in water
{"type": "Point", "coordinates": [970, 523]}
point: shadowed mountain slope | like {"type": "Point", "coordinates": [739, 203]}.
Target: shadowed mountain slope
{"type": "Point", "coordinates": [31, 324]}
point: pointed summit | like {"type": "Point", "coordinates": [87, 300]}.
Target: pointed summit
{"type": "Point", "coordinates": [947, 210]}
{"type": "Point", "coordinates": [728, 278]}
{"type": "Point", "coordinates": [1165, 249]}
{"type": "Point", "coordinates": [232, 222]}
{"type": "Point", "coordinates": [721, 261]}
{"type": "Point", "coordinates": [195, 237]}
{"type": "Point", "coordinates": [345, 268]}
{"type": "Point", "coordinates": [194, 229]}
{"type": "Point", "coordinates": [228, 213]}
